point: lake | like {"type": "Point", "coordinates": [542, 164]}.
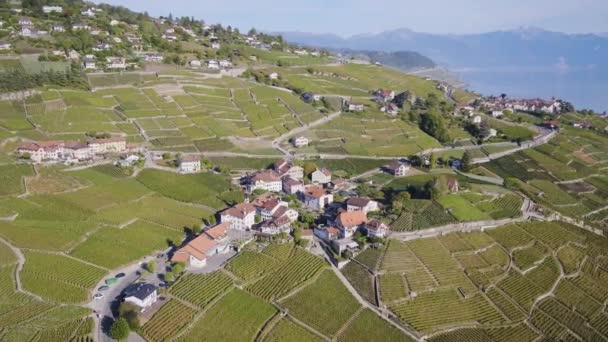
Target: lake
{"type": "Point", "coordinates": [586, 89]}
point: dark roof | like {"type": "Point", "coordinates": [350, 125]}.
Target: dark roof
{"type": "Point", "coordinates": [358, 201]}
{"type": "Point", "coordinates": [140, 290]}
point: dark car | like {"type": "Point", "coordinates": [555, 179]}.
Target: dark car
{"type": "Point", "coordinates": [119, 275]}
{"type": "Point", "coordinates": [103, 288]}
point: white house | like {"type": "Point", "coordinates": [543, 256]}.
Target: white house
{"type": "Point", "coordinates": [350, 222]}
{"type": "Point", "coordinates": [497, 113]}
{"type": "Point", "coordinates": [114, 22]}
{"type": "Point", "coordinates": [117, 40]}
{"type": "Point", "coordinates": [375, 228]}
{"type": "Point", "coordinates": [241, 216]}
{"type": "Point", "coordinates": [274, 76]}
{"type": "Point", "coordinates": [80, 26]}
{"type": "Point", "coordinates": [216, 45]}
{"type": "Point", "coordinates": [397, 168]}
{"type": "Point", "coordinates": [477, 119]}
{"type": "Point", "coordinates": [89, 64]}
{"type": "Point", "coordinates": [224, 63]}
{"type": "Point", "coordinates": [327, 234]}
{"type": "Point", "coordinates": [213, 64]}
{"type": "Point", "coordinates": [52, 9]}
{"type": "Point", "coordinates": [292, 186]}
{"type": "Point", "coordinates": [190, 164]}
{"type": "Point", "coordinates": [57, 28]}
{"type": "Point", "coordinates": [355, 107]}
{"type": "Point", "coordinates": [89, 12]}
{"type": "Point", "coordinates": [288, 169]}
{"type": "Point", "coordinates": [316, 198]}
{"type": "Point", "coordinates": [300, 142]}
{"type": "Point", "coordinates": [321, 176]}
{"type": "Point", "coordinates": [492, 133]}
{"type": "Point", "coordinates": [301, 52]}
{"type": "Point", "coordinates": [210, 242]}
{"type": "Point", "coordinates": [143, 295]}
{"type": "Point", "coordinates": [116, 63]}
{"type": "Point", "coordinates": [100, 146]}
{"type": "Point", "coordinates": [78, 150]}
{"type": "Point", "coordinates": [342, 245]}
{"type": "Point", "coordinates": [195, 63]}
{"type": "Point", "coordinates": [267, 180]}
{"type": "Point", "coordinates": [25, 22]}
{"type": "Point", "coordinates": [275, 226]}
{"type": "Point", "coordinates": [361, 204]}
{"type": "Point", "coordinates": [5, 46]}
{"type": "Point", "coordinates": [41, 151]}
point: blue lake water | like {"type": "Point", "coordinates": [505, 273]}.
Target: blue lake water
{"type": "Point", "coordinates": [586, 89]}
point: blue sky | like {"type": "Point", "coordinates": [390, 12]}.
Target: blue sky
{"type": "Point", "coordinates": [347, 17]}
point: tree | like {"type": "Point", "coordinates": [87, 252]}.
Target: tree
{"type": "Point", "coordinates": [466, 161]}
{"type": "Point", "coordinates": [309, 168]}
{"type": "Point", "coordinates": [169, 276]}
{"type": "Point", "coordinates": [432, 161]}
{"type": "Point", "coordinates": [130, 312]}
{"type": "Point", "coordinates": [433, 124]}
{"type": "Point", "coordinates": [120, 329]}
{"type": "Point", "coordinates": [297, 235]}
{"type": "Point", "coordinates": [151, 266]}
{"type": "Point", "coordinates": [178, 267]}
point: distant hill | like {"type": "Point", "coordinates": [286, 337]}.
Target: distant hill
{"type": "Point", "coordinates": [521, 48]}
{"type": "Point", "coordinates": [404, 60]}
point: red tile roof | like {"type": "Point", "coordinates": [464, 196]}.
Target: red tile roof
{"type": "Point", "coordinates": [198, 248]}
{"type": "Point", "coordinates": [219, 231]}
{"type": "Point", "coordinates": [266, 176]}
{"type": "Point", "coordinates": [353, 218]}
{"type": "Point", "coordinates": [240, 210]}
{"type": "Point", "coordinates": [315, 191]}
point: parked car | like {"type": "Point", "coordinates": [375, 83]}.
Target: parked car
{"type": "Point", "coordinates": [103, 288]}
{"type": "Point", "coordinates": [98, 296]}
{"type": "Point", "coordinates": [111, 281]}
{"type": "Point", "coordinates": [119, 275]}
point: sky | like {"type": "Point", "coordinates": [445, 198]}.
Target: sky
{"type": "Point", "coordinates": [349, 17]}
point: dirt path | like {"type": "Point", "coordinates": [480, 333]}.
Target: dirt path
{"type": "Point", "coordinates": [20, 263]}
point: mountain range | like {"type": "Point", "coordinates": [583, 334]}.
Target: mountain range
{"type": "Point", "coordinates": [521, 49]}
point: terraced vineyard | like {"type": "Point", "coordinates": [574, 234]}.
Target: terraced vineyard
{"type": "Point", "coordinates": [168, 321]}
{"type": "Point", "coordinates": [200, 289]}
{"type": "Point", "coordinates": [435, 284]}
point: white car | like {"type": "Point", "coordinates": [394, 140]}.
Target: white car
{"type": "Point", "coordinates": [98, 296]}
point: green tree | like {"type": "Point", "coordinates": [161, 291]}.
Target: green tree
{"type": "Point", "coordinates": [466, 161]}
{"type": "Point", "coordinates": [130, 312]}
{"type": "Point", "coordinates": [297, 235]}
{"type": "Point", "coordinates": [433, 124]}
{"type": "Point", "coordinates": [120, 329]}
{"type": "Point", "coordinates": [432, 161]}
{"type": "Point", "coordinates": [309, 168]}
{"type": "Point", "coordinates": [151, 266]}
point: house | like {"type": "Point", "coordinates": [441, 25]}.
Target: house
{"type": "Point", "coordinates": [5, 46]}
{"type": "Point", "coordinates": [301, 52]}
{"type": "Point", "coordinates": [397, 168]}
{"type": "Point", "coordinates": [327, 234]}
{"type": "Point", "coordinates": [89, 64]}
{"type": "Point", "coordinates": [116, 63]}
{"type": "Point", "coordinates": [195, 63]}
{"type": "Point", "coordinates": [292, 186]}
{"type": "Point", "coordinates": [390, 108]}
{"type": "Point", "coordinates": [127, 160]}
{"type": "Point", "coordinates": [311, 97]}
{"type": "Point", "coordinates": [350, 222]}
{"type": "Point", "coordinates": [195, 253]}
{"type": "Point", "coordinates": [109, 145]}
{"type": "Point", "coordinates": [25, 22]}
{"type": "Point", "coordinates": [141, 294]}
{"type": "Point", "coordinates": [376, 229]}
{"type": "Point", "coordinates": [102, 47]}
{"type": "Point", "coordinates": [274, 76]}
{"type": "Point", "coordinates": [241, 216]}
{"type": "Point", "coordinates": [300, 142]}
{"type": "Point", "coordinates": [216, 45]}
{"type": "Point", "coordinates": [553, 124]}
{"type": "Point", "coordinates": [316, 198]}
{"type": "Point", "coordinates": [253, 58]}
{"type": "Point", "coordinates": [224, 63]}
{"type": "Point", "coordinates": [27, 31]}
{"type": "Point", "coordinates": [117, 40]}
{"type": "Point", "coordinates": [275, 226]}
{"type": "Point", "coordinates": [57, 28]}
{"type": "Point", "coordinates": [287, 169]}
{"type": "Point", "coordinates": [268, 180]}
{"type": "Point", "coordinates": [80, 26]}
{"type": "Point", "coordinates": [170, 36]}
{"type": "Point", "coordinates": [492, 133]}
{"type": "Point", "coordinates": [74, 55]}
{"type": "Point", "coordinates": [270, 207]}
{"type": "Point", "coordinates": [584, 124]}
{"type": "Point", "coordinates": [321, 176]}
{"type": "Point", "coordinates": [385, 95]}
{"type": "Point", "coordinates": [78, 150]}
{"type": "Point", "coordinates": [114, 22]}
{"type": "Point", "coordinates": [210, 242]}
{"type": "Point", "coordinates": [153, 57]}
{"type": "Point", "coordinates": [190, 164]}
{"type": "Point", "coordinates": [497, 113]}
{"type": "Point", "coordinates": [212, 64]}
{"type": "Point", "coordinates": [52, 9]}
{"type": "Point", "coordinates": [476, 119]}
{"type": "Point", "coordinates": [89, 12]}
{"type": "Point", "coordinates": [453, 185]}
{"type": "Point", "coordinates": [41, 151]}
{"type": "Point", "coordinates": [361, 204]}
{"type": "Point", "coordinates": [355, 107]}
